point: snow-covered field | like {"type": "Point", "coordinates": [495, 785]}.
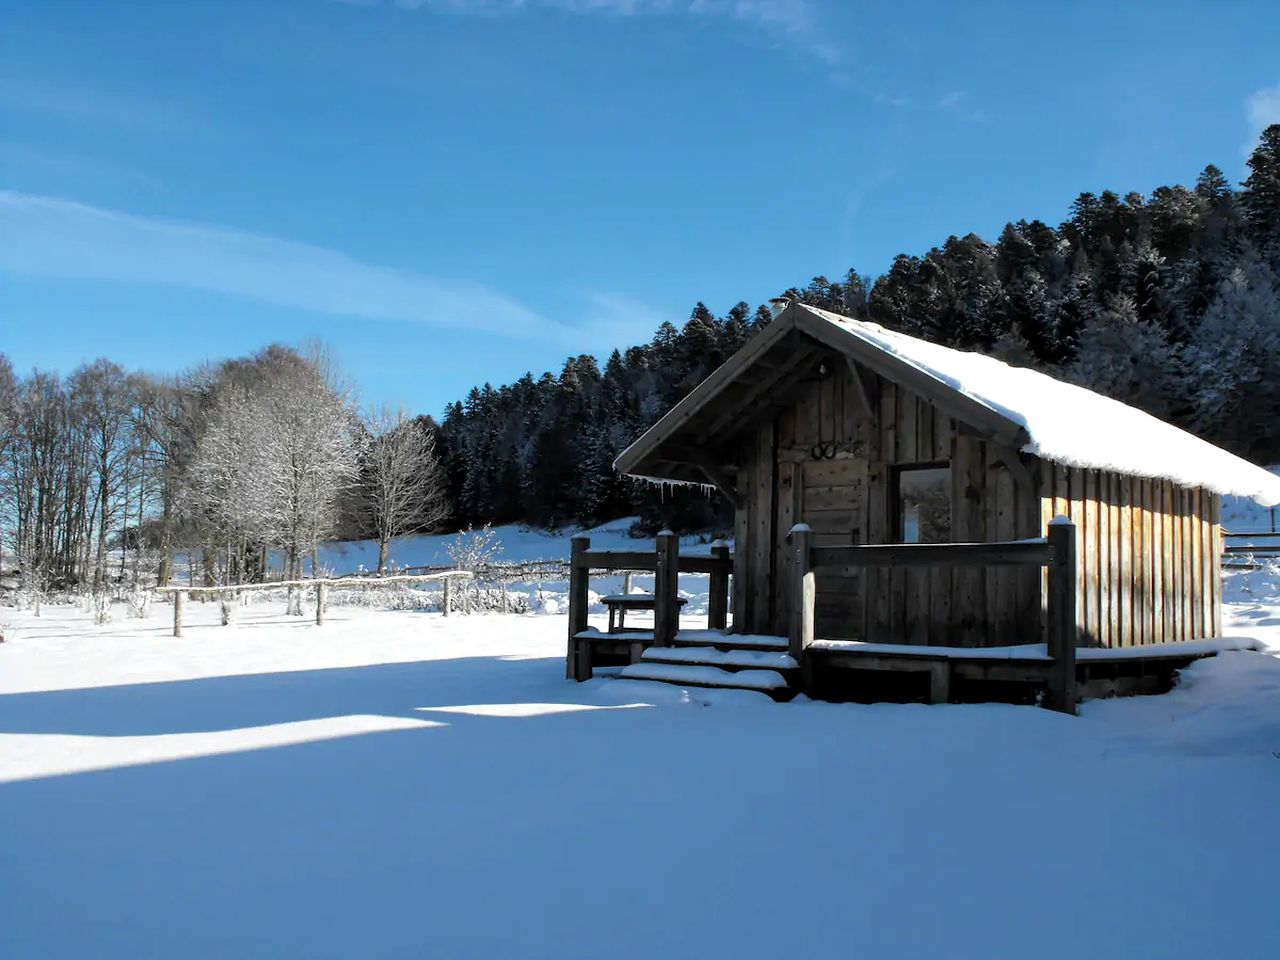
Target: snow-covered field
{"type": "Point", "coordinates": [395, 784]}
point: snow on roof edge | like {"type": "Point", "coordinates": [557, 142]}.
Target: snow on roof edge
{"type": "Point", "coordinates": [1072, 425]}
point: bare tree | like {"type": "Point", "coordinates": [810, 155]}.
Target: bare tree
{"type": "Point", "coordinates": [403, 482]}
{"type": "Point", "coordinates": [315, 447]}
{"type": "Point", "coordinates": [232, 477]}
{"type": "Point", "coordinates": [100, 394]}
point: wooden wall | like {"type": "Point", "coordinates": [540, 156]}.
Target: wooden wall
{"type": "Point", "coordinates": [847, 499]}
{"type": "Point", "coordinates": [1150, 554]}
{"type": "Point", "coordinates": [1149, 550]}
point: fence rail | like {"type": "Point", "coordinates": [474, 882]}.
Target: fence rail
{"type": "Point", "coordinates": [1248, 555]}
{"type": "Point", "coordinates": [1008, 553]}
{"type": "Point", "coordinates": [321, 585]}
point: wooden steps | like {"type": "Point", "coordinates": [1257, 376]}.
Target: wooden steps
{"type": "Point", "coordinates": [693, 675]}
{"type": "Point", "coordinates": [720, 661]}
{"type": "Point", "coordinates": [731, 660]}
{"type": "Point", "coordinates": [728, 641]}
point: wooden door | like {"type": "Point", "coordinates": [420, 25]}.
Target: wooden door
{"type": "Point", "coordinates": [830, 496]}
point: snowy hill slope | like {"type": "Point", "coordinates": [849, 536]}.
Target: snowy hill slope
{"type": "Point", "coordinates": [519, 543]}
{"type": "Point", "coordinates": [1244, 515]}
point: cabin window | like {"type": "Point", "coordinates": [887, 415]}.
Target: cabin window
{"type": "Point", "coordinates": [923, 495]}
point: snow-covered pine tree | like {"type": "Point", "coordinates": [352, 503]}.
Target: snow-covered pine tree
{"type": "Point", "coordinates": [1233, 361]}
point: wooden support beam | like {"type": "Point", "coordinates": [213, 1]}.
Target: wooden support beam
{"type": "Point", "coordinates": [721, 481]}
{"type": "Point", "coordinates": [578, 657]}
{"type": "Point", "coordinates": [666, 584]}
{"type": "Point", "coordinates": [862, 389]}
{"type": "Point", "coordinates": [800, 636]}
{"type": "Point", "coordinates": [1061, 616]}
{"type": "Point", "coordinates": [718, 589]}
{"type": "Point", "coordinates": [940, 681]}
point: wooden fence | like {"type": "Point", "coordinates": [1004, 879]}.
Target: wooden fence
{"type": "Point", "coordinates": [666, 563]}
{"type": "Point", "coordinates": [1237, 555]}
{"type": "Point", "coordinates": [1057, 552]}
{"type": "Point", "coordinates": [446, 578]}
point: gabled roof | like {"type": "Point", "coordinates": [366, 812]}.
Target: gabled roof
{"type": "Point", "coordinates": [1017, 407]}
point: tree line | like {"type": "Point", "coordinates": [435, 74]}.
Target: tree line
{"type": "Point", "coordinates": [106, 471]}
{"type": "Point", "coordinates": [1169, 302]}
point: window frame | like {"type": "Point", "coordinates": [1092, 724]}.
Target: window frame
{"type": "Point", "coordinates": [896, 516]}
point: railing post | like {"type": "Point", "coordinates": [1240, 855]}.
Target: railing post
{"type": "Point", "coordinates": [1060, 616]}
{"type": "Point", "coordinates": [718, 591]}
{"type": "Point", "coordinates": [178, 596]}
{"type": "Point", "coordinates": [666, 586]}
{"type": "Point", "coordinates": [447, 600]}
{"type": "Point", "coordinates": [803, 592]}
{"type": "Point", "coordinates": [578, 659]}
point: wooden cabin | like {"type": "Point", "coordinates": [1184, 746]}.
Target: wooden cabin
{"type": "Point", "coordinates": [868, 436]}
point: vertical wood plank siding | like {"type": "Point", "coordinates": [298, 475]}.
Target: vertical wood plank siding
{"type": "Point", "coordinates": [1150, 556]}
{"type": "Point", "coordinates": [1148, 551]}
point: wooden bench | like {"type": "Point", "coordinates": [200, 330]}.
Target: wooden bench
{"type": "Point", "coordinates": [620, 603]}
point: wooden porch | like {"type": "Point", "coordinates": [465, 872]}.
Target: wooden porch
{"type": "Point", "coordinates": [1057, 673]}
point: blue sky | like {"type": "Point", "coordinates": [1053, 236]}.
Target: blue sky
{"type": "Point", "coordinates": [456, 191]}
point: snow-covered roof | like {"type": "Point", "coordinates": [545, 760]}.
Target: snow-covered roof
{"type": "Point", "coordinates": [1071, 425]}
{"type": "Point", "coordinates": [1014, 406]}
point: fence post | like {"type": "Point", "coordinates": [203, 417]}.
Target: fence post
{"type": "Point", "coordinates": [1061, 616]}
{"type": "Point", "coordinates": [666, 588]}
{"type": "Point", "coordinates": [578, 658]}
{"type": "Point", "coordinates": [448, 596]}
{"type": "Point", "coordinates": [321, 589]}
{"type": "Point", "coordinates": [718, 590]}
{"type": "Point", "coordinates": [178, 596]}
{"type": "Point", "coordinates": [803, 593]}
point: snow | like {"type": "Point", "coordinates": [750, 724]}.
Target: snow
{"type": "Point", "coordinates": [1039, 651]}
{"type": "Point", "coordinates": [705, 676]}
{"type": "Point", "coordinates": [395, 784]}
{"type": "Point", "coordinates": [1074, 426]}
{"type": "Point", "coordinates": [711, 637]}
{"type": "Point", "coordinates": [766, 659]}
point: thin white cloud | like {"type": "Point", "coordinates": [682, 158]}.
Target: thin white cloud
{"type": "Point", "coordinates": [1262, 107]}
{"type": "Point", "coordinates": [26, 159]}
{"type": "Point", "coordinates": [613, 320]}
{"type": "Point", "coordinates": [956, 103]}
{"type": "Point", "coordinates": [792, 20]}
{"type": "Point", "coordinates": [56, 238]}
{"type": "Point", "coordinates": [97, 106]}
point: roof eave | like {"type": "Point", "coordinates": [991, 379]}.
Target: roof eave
{"type": "Point", "coordinates": [631, 461]}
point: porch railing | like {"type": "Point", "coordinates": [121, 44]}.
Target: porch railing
{"type": "Point", "coordinates": [666, 563]}
{"type": "Point", "coordinates": [1056, 551]}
